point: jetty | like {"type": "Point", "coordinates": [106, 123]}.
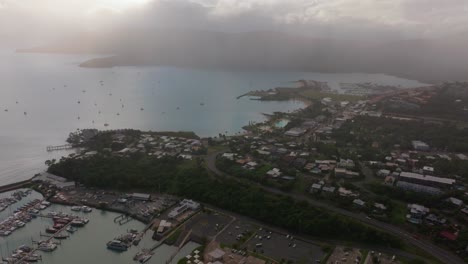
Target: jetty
{"type": "Point", "coordinates": [60, 147]}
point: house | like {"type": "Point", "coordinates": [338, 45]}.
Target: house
{"type": "Point", "coordinates": [359, 202]}
{"type": "Point", "coordinates": [454, 201]}
{"type": "Point", "coordinates": [141, 196]}
{"type": "Point", "coordinates": [428, 170]}
{"type": "Point", "coordinates": [346, 163]}
{"type": "Point", "coordinates": [316, 171]}
{"type": "Point", "coordinates": [309, 166]}
{"type": "Point", "coordinates": [340, 172]}
{"type": "Point", "coordinates": [315, 188]}
{"type": "Point", "coordinates": [419, 145]}
{"type": "Point", "coordinates": [330, 189]}
{"type": "Point", "coordinates": [383, 173]}
{"type": "Point", "coordinates": [295, 132]}
{"type": "Point", "coordinates": [251, 165]}
{"type": "Point", "coordinates": [346, 193]}
{"type": "Point", "coordinates": [416, 213]}
{"type": "Point", "coordinates": [274, 173]}
{"type": "Point", "coordinates": [229, 156]}
{"type": "Point", "coordinates": [380, 206]}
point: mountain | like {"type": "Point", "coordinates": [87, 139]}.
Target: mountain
{"type": "Point", "coordinates": [427, 60]}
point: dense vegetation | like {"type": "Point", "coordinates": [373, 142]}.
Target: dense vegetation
{"type": "Point", "coordinates": [191, 180]}
{"type": "Point", "coordinates": [386, 132]}
{"type": "Point", "coordinates": [449, 103]}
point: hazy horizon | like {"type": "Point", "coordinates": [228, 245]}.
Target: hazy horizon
{"type": "Point", "coordinates": [418, 39]}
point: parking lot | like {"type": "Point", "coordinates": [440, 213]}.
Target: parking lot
{"type": "Point", "coordinates": [279, 246]}
{"type": "Point", "coordinates": [207, 224]}
{"type": "Point", "coordinates": [270, 244]}
{"type": "Point", "coordinates": [230, 236]}
{"type": "Point", "coordinates": [343, 255]}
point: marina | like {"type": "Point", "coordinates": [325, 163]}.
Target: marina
{"type": "Point", "coordinates": [71, 238]}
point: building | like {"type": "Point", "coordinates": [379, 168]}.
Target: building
{"type": "Point", "coordinates": [315, 188]}
{"type": "Point", "coordinates": [330, 189]}
{"type": "Point", "coordinates": [419, 145]}
{"type": "Point", "coordinates": [216, 255]}
{"type": "Point", "coordinates": [141, 196]}
{"type": "Point", "coordinates": [454, 201]}
{"type": "Point", "coordinates": [428, 170]}
{"type": "Point", "coordinates": [229, 156]}
{"type": "Point", "coordinates": [416, 213]}
{"type": "Point", "coordinates": [383, 173]}
{"type": "Point", "coordinates": [274, 173]}
{"type": "Point", "coordinates": [426, 180]}
{"type": "Point", "coordinates": [183, 207]}
{"type": "Point", "coordinates": [295, 132]}
{"type": "Point", "coordinates": [418, 187]}
{"type": "Point", "coordinates": [359, 202]}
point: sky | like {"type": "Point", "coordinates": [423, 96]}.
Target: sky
{"type": "Point", "coordinates": [341, 19]}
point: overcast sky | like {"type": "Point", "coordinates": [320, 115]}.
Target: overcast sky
{"type": "Point", "coordinates": [385, 19]}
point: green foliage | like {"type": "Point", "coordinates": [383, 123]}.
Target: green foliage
{"type": "Point", "coordinates": [188, 180]}
{"type": "Point", "coordinates": [363, 131]}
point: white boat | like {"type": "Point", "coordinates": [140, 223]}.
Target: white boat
{"type": "Point", "coordinates": [70, 229]}
{"type": "Point", "coordinates": [76, 208]}
{"type": "Point", "coordinates": [86, 209]}
{"type": "Point", "coordinates": [47, 247]}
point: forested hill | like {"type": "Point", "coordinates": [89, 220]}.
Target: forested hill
{"type": "Point", "coordinates": [427, 60]}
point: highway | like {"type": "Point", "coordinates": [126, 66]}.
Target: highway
{"type": "Point", "coordinates": [441, 254]}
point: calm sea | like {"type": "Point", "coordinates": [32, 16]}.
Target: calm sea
{"type": "Point", "coordinates": [43, 97]}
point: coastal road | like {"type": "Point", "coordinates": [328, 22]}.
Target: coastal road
{"type": "Point", "coordinates": [441, 254]}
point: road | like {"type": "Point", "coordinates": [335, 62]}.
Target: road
{"type": "Point", "coordinates": [441, 254]}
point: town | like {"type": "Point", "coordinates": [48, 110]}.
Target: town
{"type": "Point", "coordinates": [404, 175]}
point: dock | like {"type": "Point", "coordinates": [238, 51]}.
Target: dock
{"type": "Point", "coordinates": [47, 241]}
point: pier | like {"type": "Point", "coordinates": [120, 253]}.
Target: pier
{"type": "Point", "coordinates": [61, 147]}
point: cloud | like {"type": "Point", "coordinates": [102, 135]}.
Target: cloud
{"type": "Point", "coordinates": [382, 19]}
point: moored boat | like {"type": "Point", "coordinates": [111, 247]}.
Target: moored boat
{"type": "Point", "coordinates": [117, 245]}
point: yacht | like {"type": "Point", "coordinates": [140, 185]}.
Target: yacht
{"type": "Point", "coordinates": [76, 208]}
{"type": "Point", "coordinates": [60, 236]}
{"type": "Point", "coordinates": [70, 229]}
{"type": "Point", "coordinates": [117, 245]}
{"type": "Point", "coordinates": [47, 247]}
{"type": "Point", "coordinates": [86, 209]}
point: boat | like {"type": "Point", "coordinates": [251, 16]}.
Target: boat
{"type": "Point", "coordinates": [76, 208]}
{"type": "Point", "coordinates": [70, 229]}
{"type": "Point", "coordinates": [86, 209]}
{"type": "Point", "coordinates": [47, 247]}
{"type": "Point", "coordinates": [51, 230]}
{"type": "Point", "coordinates": [61, 236]}
{"type": "Point", "coordinates": [33, 258]}
{"type": "Point", "coordinates": [145, 258]}
{"type": "Point", "coordinates": [77, 223]}
{"type": "Point", "coordinates": [117, 245]}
